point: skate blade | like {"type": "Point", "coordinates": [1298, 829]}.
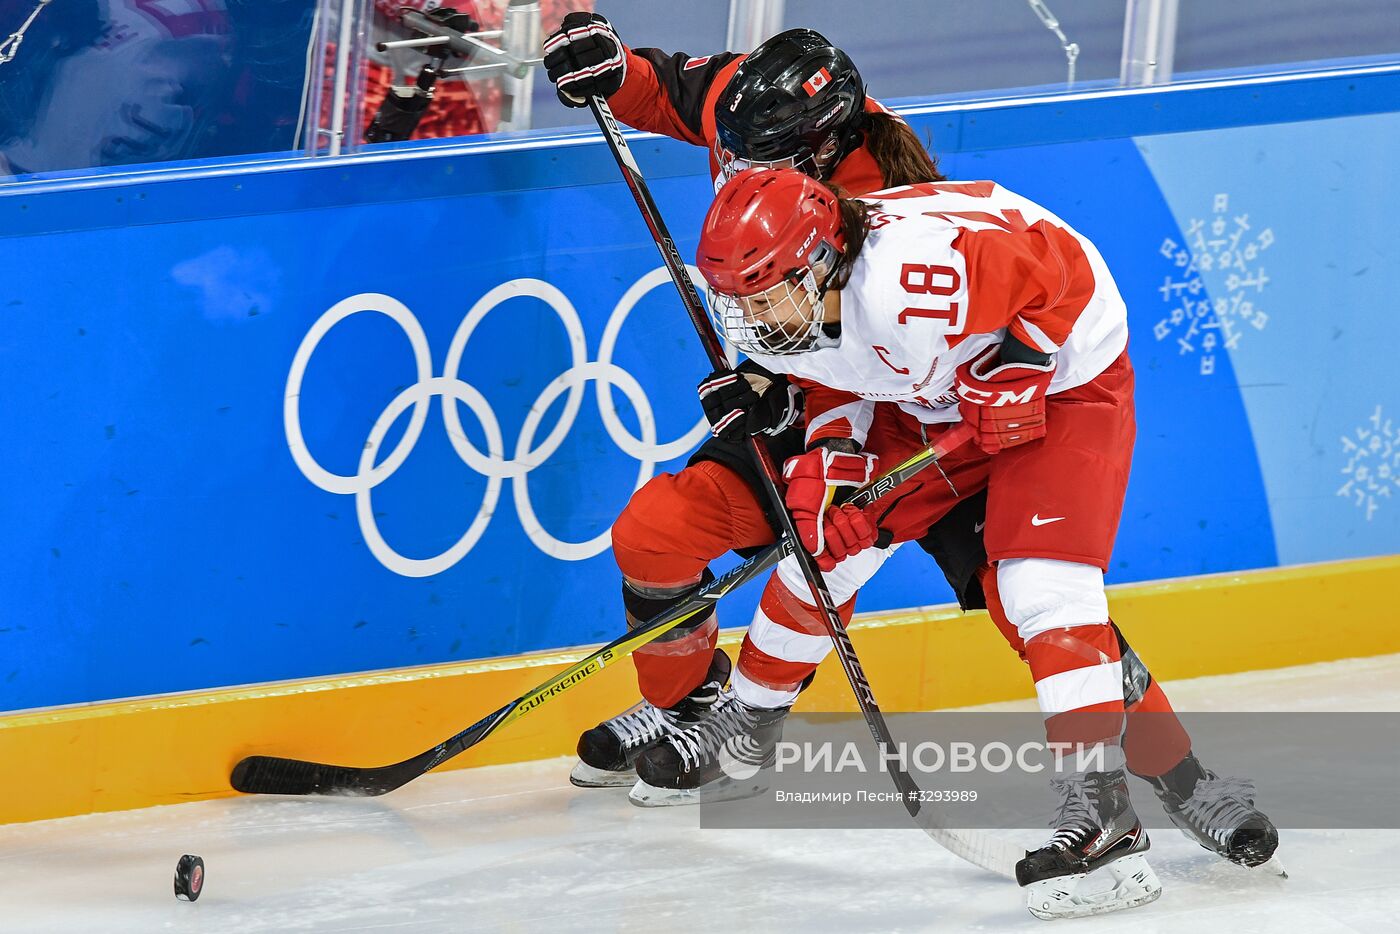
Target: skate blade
{"type": "Point", "coordinates": [1134, 884]}
{"type": "Point", "coordinates": [586, 776]}
{"type": "Point", "coordinates": [650, 796]}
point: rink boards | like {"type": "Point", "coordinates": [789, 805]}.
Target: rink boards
{"type": "Point", "coordinates": [236, 467]}
{"type": "Point", "coordinates": [167, 750]}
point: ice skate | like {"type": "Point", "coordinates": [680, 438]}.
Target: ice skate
{"type": "Point", "coordinates": [725, 756]}
{"type": "Point", "coordinates": [607, 753]}
{"type": "Point", "coordinates": [1095, 829]}
{"type": "Point", "coordinates": [1219, 814]}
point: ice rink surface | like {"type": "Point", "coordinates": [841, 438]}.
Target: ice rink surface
{"type": "Point", "coordinates": [516, 848]}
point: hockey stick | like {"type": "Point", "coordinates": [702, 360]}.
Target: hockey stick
{"type": "Point", "coordinates": [274, 775]}
{"type": "Point", "coordinates": [976, 848]}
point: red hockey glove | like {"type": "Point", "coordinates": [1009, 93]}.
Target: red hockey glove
{"type": "Point", "coordinates": [829, 532]}
{"type": "Point", "coordinates": [847, 531]}
{"type": "Point", "coordinates": [1003, 402]}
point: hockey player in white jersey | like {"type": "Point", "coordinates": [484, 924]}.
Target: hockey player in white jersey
{"type": "Point", "coordinates": [902, 313]}
{"type": "Point", "coordinates": [795, 100]}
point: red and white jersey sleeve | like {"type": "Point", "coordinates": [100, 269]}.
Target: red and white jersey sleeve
{"type": "Point", "coordinates": [950, 268]}
{"type": "Point", "coordinates": [834, 413]}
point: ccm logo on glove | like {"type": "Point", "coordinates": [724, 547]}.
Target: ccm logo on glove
{"type": "Point", "coordinates": [1003, 402]}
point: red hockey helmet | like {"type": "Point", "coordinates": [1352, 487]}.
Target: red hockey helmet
{"type": "Point", "coordinates": [764, 235]}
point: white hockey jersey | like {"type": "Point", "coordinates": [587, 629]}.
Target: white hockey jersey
{"type": "Point", "coordinates": [948, 269]}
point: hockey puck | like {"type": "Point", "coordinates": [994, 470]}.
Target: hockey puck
{"type": "Point", "coordinates": [189, 877]}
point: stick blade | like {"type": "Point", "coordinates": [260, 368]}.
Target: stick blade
{"type": "Point", "coordinates": [273, 775]}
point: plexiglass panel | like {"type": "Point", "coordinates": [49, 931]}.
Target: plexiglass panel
{"type": "Point", "coordinates": [96, 83]}
{"type": "Point", "coordinates": [472, 94]}
{"type": "Point", "coordinates": [698, 28]}
{"type": "Point", "coordinates": [907, 48]}
{"type": "Point", "coordinates": [1269, 35]}
{"type": "Point", "coordinates": [110, 83]}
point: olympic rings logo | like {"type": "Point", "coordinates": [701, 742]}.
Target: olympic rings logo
{"type": "Point", "coordinates": [492, 463]}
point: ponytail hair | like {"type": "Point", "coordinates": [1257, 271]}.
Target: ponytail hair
{"type": "Point", "coordinates": [855, 227]}
{"type": "Point", "coordinates": [902, 159]}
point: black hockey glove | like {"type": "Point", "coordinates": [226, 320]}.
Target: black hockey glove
{"type": "Point", "coordinates": [457, 22]}
{"type": "Point", "coordinates": [584, 57]}
{"type": "Point", "coordinates": [398, 116]}
{"type": "Point", "coordinates": [741, 404]}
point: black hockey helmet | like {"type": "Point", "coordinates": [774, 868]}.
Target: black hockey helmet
{"type": "Point", "coordinates": [795, 97]}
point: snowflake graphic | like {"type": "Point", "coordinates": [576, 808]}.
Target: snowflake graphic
{"type": "Point", "coordinates": [1373, 463]}
{"type": "Point", "coordinates": [1227, 243]}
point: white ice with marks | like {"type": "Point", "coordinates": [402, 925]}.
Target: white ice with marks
{"type": "Point", "coordinates": [516, 848]}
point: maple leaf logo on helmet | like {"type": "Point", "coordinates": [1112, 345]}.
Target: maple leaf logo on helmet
{"type": "Point", "coordinates": [818, 81]}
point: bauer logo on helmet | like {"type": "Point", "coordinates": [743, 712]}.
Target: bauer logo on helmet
{"type": "Point", "coordinates": [827, 117]}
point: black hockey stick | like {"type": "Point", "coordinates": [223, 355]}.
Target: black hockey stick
{"type": "Point", "coordinates": [973, 847]}
{"type": "Point", "coordinates": [273, 775]}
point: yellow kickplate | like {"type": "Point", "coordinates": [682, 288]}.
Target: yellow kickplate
{"type": "Point", "coordinates": [163, 750]}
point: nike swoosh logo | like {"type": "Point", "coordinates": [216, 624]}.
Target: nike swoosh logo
{"type": "Point", "coordinates": [1036, 520]}
{"type": "Point", "coordinates": [978, 527]}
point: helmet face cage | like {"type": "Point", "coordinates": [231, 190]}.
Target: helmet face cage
{"type": "Point", "coordinates": [789, 321]}
{"type": "Point", "coordinates": [731, 163]}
